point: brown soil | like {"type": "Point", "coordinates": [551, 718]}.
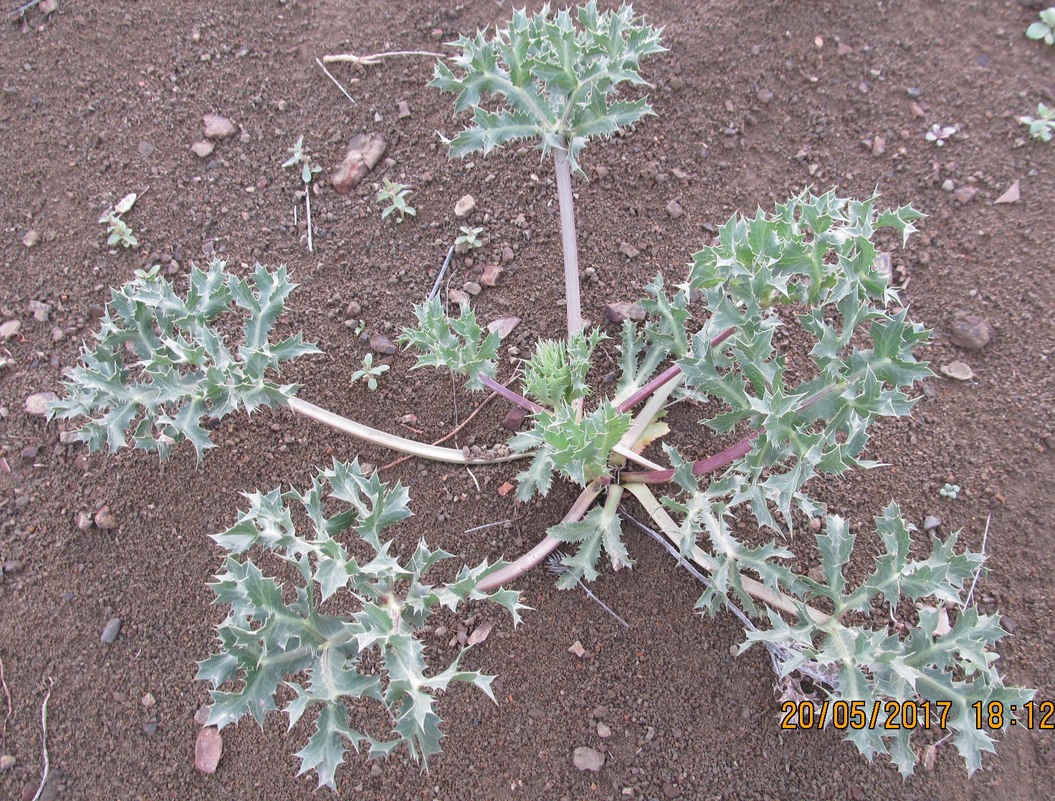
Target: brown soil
{"type": "Point", "coordinates": [86, 87]}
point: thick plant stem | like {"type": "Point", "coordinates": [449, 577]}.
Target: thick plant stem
{"type": "Point", "coordinates": [669, 374]}
{"type": "Point", "coordinates": [756, 589]}
{"type": "Point", "coordinates": [547, 546]}
{"type": "Point", "coordinates": [386, 440]}
{"type": "Point", "coordinates": [513, 397]}
{"type": "Point", "coordinates": [568, 240]}
{"type": "Point", "coordinates": [702, 467]}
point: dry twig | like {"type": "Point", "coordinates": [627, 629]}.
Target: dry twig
{"type": "Point", "coordinates": [44, 739]}
{"type": "Point", "coordinates": [7, 711]}
{"type": "Point", "coordinates": [375, 58]}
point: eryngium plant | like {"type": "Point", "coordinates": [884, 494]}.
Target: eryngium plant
{"type": "Point", "coordinates": [162, 363]}
{"type": "Point", "coordinates": [307, 640]}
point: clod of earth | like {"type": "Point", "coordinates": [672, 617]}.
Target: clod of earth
{"type": "Point", "coordinates": [971, 332]}
{"type": "Point", "coordinates": [363, 154]}
{"type": "Point", "coordinates": [217, 127]}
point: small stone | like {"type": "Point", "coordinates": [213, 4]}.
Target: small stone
{"type": "Point", "coordinates": [147, 701]}
{"type": "Point", "coordinates": [671, 790]}
{"type": "Point", "coordinates": [47, 8]}
{"type": "Point", "coordinates": [577, 649]}
{"type": "Point", "coordinates": [111, 630]}
{"type": "Point", "coordinates": [105, 519]}
{"type": "Point", "coordinates": [30, 238]}
{"type": "Point", "coordinates": [201, 717]}
{"type": "Point", "coordinates": [41, 311]}
{"type": "Point", "coordinates": [957, 370]}
{"type": "Point", "coordinates": [150, 728]}
{"type": "Point", "coordinates": [503, 326]}
{"type": "Point", "coordinates": [964, 194]}
{"type": "Point", "coordinates": [379, 343]}
{"type": "Point", "coordinates": [82, 520]}
{"type": "Point", "coordinates": [29, 453]}
{"type": "Point", "coordinates": [1011, 195]}
{"type": "Point", "coordinates": [917, 110]}
{"type": "Point", "coordinates": [7, 762]}
{"type": "Point", "coordinates": [404, 110]}
{"type": "Point", "coordinates": [363, 154]}
{"type": "Point", "coordinates": [9, 329]}
{"type": "Point", "coordinates": [145, 149]}
{"type": "Point", "coordinates": [948, 185]}
{"type": "Point", "coordinates": [464, 207]}
{"type": "Point", "coordinates": [11, 567]}
{"type": "Point", "coordinates": [587, 759]}
{"type": "Point", "coordinates": [844, 49]}
{"type": "Point", "coordinates": [208, 749]}
{"type": "Point", "coordinates": [458, 297]}
{"type": "Point", "coordinates": [764, 96]}
{"type": "Point", "coordinates": [1008, 624]}
{"type": "Point", "coordinates": [38, 402]}
{"type": "Point", "coordinates": [217, 127]}
{"type": "Point", "coordinates": [675, 210]}
{"type": "Point", "coordinates": [628, 250]}
{"type": "Point", "coordinates": [619, 311]}
{"type": "Point", "coordinates": [604, 731]}
{"type": "Point", "coordinates": [507, 254]}
{"type": "Point", "coordinates": [878, 146]}
{"type": "Point", "coordinates": [203, 149]}
{"type": "Point", "coordinates": [931, 522]}
{"type": "Point", "coordinates": [472, 288]}
{"type": "Point", "coordinates": [971, 333]}
{"type": "Point", "coordinates": [491, 274]}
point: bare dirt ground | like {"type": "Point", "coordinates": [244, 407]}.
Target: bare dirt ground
{"type": "Point", "coordinates": [754, 102]}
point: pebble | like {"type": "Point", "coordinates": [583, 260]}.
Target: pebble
{"type": "Point", "coordinates": [29, 453]}
{"type": "Point", "coordinates": [957, 370]}
{"type": "Point", "coordinates": [38, 402]}
{"type": "Point", "coordinates": [363, 154]}
{"type": "Point", "coordinates": [7, 762]}
{"type": "Point", "coordinates": [208, 749]}
{"type": "Point", "coordinates": [965, 194]}
{"type": "Point", "coordinates": [82, 520]}
{"type": "Point", "coordinates": [464, 207]}
{"type": "Point", "coordinates": [878, 146]}
{"type": "Point", "coordinates": [9, 329]}
{"type": "Point", "coordinates": [11, 567]}
{"type": "Point", "coordinates": [507, 254]}
{"type": "Point", "coordinates": [670, 790]}
{"type": "Point", "coordinates": [491, 274]}
{"type": "Point", "coordinates": [931, 522]}
{"type": "Point", "coordinates": [577, 649]}
{"type": "Point", "coordinates": [587, 759]}
{"type": "Point", "coordinates": [145, 149]}
{"type": "Point", "coordinates": [150, 728]}
{"type": "Point", "coordinates": [217, 127]}
{"type": "Point", "coordinates": [379, 343]}
{"type": "Point", "coordinates": [41, 311]}
{"type": "Point", "coordinates": [971, 333]}
{"type": "Point", "coordinates": [201, 717]}
{"type": "Point", "coordinates": [628, 250]}
{"type": "Point", "coordinates": [105, 519]}
{"type": "Point", "coordinates": [111, 630]}
{"type": "Point", "coordinates": [31, 238]}
{"type": "Point", "coordinates": [764, 96]}
{"type": "Point", "coordinates": [404, 110]}
{"type": "Point", "coordinates": [1011, 195]}
{"type": "Point", "coordinates": [148, 700]}
{"type": "Point", "coordinates": [948, 185]}
{"type": "Point", "coordinates": [203, 149]}
{"type": "Point", "coordinates": [620, 310]}
{"type": "Point", "coordinates": [675, 210]}
{"type": "Point", "coordinates": [604, 731]}
{"type": "Point", "coordinates": [458, 297]}
{"type": "Point", "coordinates": [472, 287]}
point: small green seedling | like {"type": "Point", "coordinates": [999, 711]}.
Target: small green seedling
{"type": "Point", "coordinates": [1044, 28]}
{"type": "Point", "coordinates": [469, 239]}
{"type": "Point", "coordinates": [369, 373]}
{"type": "Point", "coordinates": [950, 491]}
{"type": "Point", "coordinates": [939, 133]}
{"type": "Point", "coordinates": [395, 195]}
{"type": "Point", "coordinates": [120, 232]}
{"type": "Point", "coordinates": [298, 155]}
{"type": "Point", "coordinates": [1042, 126]}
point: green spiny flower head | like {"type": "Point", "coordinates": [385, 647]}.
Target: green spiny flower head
{"type": "Point", "coordinates": [554, 73]}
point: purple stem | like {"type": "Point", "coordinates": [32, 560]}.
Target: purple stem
{"type": "Point", "coordinates": [513, 397]}
{"type": "Point", "coordinates": [730, 454]}
{"type": "Point", "coordinates": [666, 375]}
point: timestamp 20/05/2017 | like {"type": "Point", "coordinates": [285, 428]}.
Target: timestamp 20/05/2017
{"type": "Point", "coordinates": [894, 715]}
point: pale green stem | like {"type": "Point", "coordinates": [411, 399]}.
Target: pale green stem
{"type": "Point", "coordinates": [756, 589]}
{"type": "Point", "coordinates": [568, 240]}
{"type": "Point", "coordinates": [386, 440]}
{"type": "Point", "coordinates": [648, 413]}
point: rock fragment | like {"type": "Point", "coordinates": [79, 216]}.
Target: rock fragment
{"type": "Point", "coordinates": [931, 522]}
{"type": "Point", "coordinates": [964, 194]}
{"type": "Point", "coordinates": [620, 310]}
{"type": "Point", "coordinates": [628, 250]}
{"type": "Point", "coordinates": [465, 206]}
{"type": "Point", "coordinates": [514, 419]}
{"type": "Point", "coordinates": [503, 326]}
{"type": "Point", "coordinates": [971, 333]}
{"type": "Point", "coordinates": [379, 343]}
{"type": "Point", "coordinates": [491, 274]}
{"type": "Point", "coordinates": [208, 749]}
{"type": "Point", "coordinates": [363, 154]}
{"type": "Point", "coordinates": [30, 238]}
{"type": "Point", "coordinates": [957, 370]}
{"type": "Point", "coordinates": [217, 127]}
{"type": "Point", "coordinates": [110, 631]}
{"type": "Point", "coordinates": [586, 758]}
{"type": "Point", "coordinates": [38, 402]}
{"type": "Point", "coordinates": [9, 329]}
{"type": "Point", "coordinates": [105, 519]}
{"type": "Point", "coordinates": [675, 210]}
{"type": "Point", "coordinates": [203, 149]}
{"type": "Point", "coordinates": [1011, 195]}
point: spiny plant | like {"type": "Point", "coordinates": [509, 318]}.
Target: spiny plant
{"type": "Point", "coordinates": [908, 633]}
{"type": "Point", "coordinates": [394, 196]}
